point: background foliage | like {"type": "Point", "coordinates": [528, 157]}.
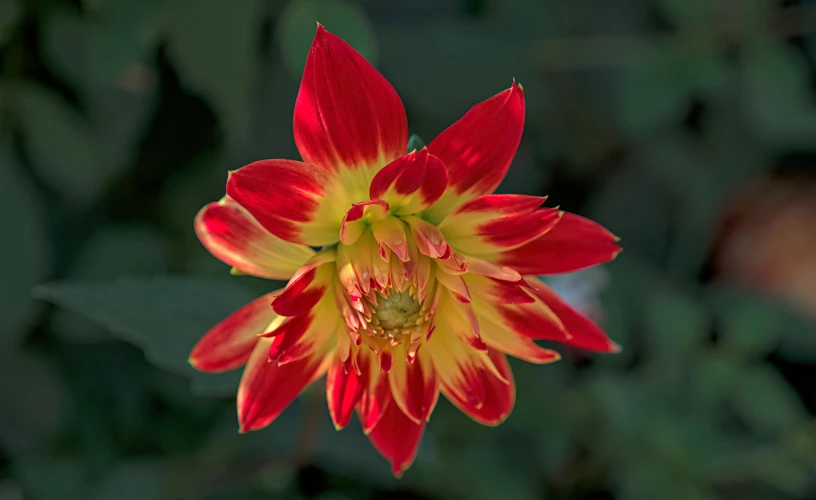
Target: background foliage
{"type": "Point", "coordinates": [679, 124]}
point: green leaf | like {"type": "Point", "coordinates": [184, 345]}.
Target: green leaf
{"type": "Point", "coordinates": [213, 45]}
{"type": "Point", "coordinates": [24, 253]}
{"type": "Point", "coordinates": [777, 97]}
{"type": "Point", "coordinates": [296, 29]}
{"type": "Point", "coordinates": [163, 316]}
{"type": "Point", "coordinates": [750, 325]}
{"type": "Point", "coordinates": [110, 253]}
{"type": "Point", "coordinates": [9, 15]}
{"type": "Point", "coordinates": [653, 92]}
{"type": "Point", "coordinates": [766, 402]}
{"type": "Point", "coordinates": [415, 143]}
{"type": "Point", "coordinates": [676, 323]}
{"type": "Point", "coordinates": [34, 404]}
{"type": "Point", "coordinates": [137, 480]}
{"type": "Point", "coordinates": [107, 45]}
{"type": "Point", "coordinates": [61, 145]}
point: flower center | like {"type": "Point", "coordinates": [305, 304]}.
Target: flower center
{"type": "Point", "coordinates": [396, 314]}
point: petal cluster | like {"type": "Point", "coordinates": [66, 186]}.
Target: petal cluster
{"type": "Point", "coordinates": [424, 280]}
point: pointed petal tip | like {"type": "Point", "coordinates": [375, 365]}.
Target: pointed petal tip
{"type": "Point", "coordinates": [397, 471]}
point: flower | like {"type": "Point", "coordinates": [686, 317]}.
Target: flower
{"type": "Point", "coordinates": [406, 276]}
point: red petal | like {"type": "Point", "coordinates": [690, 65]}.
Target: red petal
{"type": "Point", "coordinates": [413, 386]}
{"type": "Point", "coordinates": [347, 115]}
{"type": "Point", "coordinates": [411, 183]}
{"type": "Point", "coordinates": [303, 335]}
{"type": "Point", "coordinates": [509, 306]}
{"type": "Point", "coordinates": [307, 286]}
{"type": "Point", "coordinates": [344, 388]}
{"type": "Point", "coordinates": [376, 391]}
{"type": "Point", "coordinates": [234, 237]}
{"type": "Point", "coordinates": [292, 200]}
{"type": "Point", "coordinates": [397, 438]}
{"type": "Point", "coordinates": [229, 343]}
{"type": "Point", "coordinates": [499, 395]}
{"type": "Point", "coordinates": [267, 389]}
{"type": "Point", "coordinates": [494, 223]}
{"type": "Point", "coordinates": [479, 147]}
{"type": "Point", "coordinates": [584, 333]}
{"type": "Point", "coordinates": [460, 368]}
{"type": "Point", "coordinates": [574, 243]}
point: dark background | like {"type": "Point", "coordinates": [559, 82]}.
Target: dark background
{"type": "Point", "coordinates": [687, 127]}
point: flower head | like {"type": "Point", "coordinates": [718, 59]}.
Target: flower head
{"type": "Point", "coordinates": [424, 279]}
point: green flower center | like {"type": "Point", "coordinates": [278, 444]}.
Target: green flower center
{"type": "Point", "coordinates": [396, 314]}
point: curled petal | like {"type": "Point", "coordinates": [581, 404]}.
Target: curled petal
{"type": "Point", "coordinates": [478, 149]}
{"type": "Point", "coordinates": [455, 285]}
{"type": "Point", "coordinates": [411, 183]}
{"type": "Point", "coordinates": [358, 217]}
{"type": "Point", "coordinates": [229, 343]}
{"type": "Point", "coordinates": [413, 386]}
{"type": "Point", "coordinates": [234, 237]}
{"type": "Point", "coordinates": [390, 232]}
{"type": "Point", "coordinates": [583, 332]}
{"type": "Point", "coordinates": [429, 239]}
{"type": "Point", "coordinates": [574, 243]}
{"type": "Point", "coordinates": [266, 389]}
{"type": "Point", "coordinates": [482, 267]}
{"type": "Point", "coordinates": [499, 393]}
{"type": "Point", "coordinates": [361, 267]}
{"type": "Point", "coordinates": [397, 438]}
{"type": "Point", "coordinates": [347, 115]}
{"type": "Point", "coordinates": [344, 388]}
{"type": "Point", "coordinates": [498, 222]}
{"type": "Point", "coordinates": [294, 201]}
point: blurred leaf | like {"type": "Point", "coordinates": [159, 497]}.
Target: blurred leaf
{"type": "Point", "coordinates": [63, 479]}
{"type": "Point", "coordinates": [712, 378]}
{"type": "Point", "coordinates": [164, 316]}
{"type": "Point", "coordinates": [33, 404]}
{"type": "Point", "coordinates": [777, 97]}
{"type": "Point", "coordinates": [415, 143]}
{"type": "Point", "coordinates": [24, 255]}
{"type": "Point", "coordinates": [220, 68]}
{"type": "Point", "coordinates": [296, 28]}
{"type": "Point", "coordinates": [100, 47]}
{"type": "Point", "coordinates": [654, 92]}
{"type": "Point", "coordinates": [132, 481]}
{"type": "Point", "coordinates": [686, 172]}
{"type": "Point", "coordinates": [61, 145]}
{"type": "Point", "coordinates": [110, 253]}
{"type": "Point", "coordinates": [750, 325]}
{"type": "Point", "coordinates": [119, 117]}
{"type": "Point", "coordinates": [619, 207]}
{"type": "Point", "coordinates": [484, 66]}
{"type": "Point", "coordinates": [9, 15]}
{"type": "Point", "coordinates": [688, 12]}
{"type": "Point", "coordinates": [676, 323]}
{"type": "Point", "coordinates": [766, 402]}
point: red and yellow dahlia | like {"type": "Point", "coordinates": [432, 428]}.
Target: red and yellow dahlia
{"type": "Point", "coordinates": [406, 275]}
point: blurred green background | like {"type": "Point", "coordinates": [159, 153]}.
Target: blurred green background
{"type": "Point", "coordinates": [687, 127]}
